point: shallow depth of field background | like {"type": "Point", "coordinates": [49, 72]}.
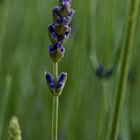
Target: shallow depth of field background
{"type": "Point", "coordinates": [86, 102]}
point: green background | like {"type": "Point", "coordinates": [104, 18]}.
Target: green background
{"type": "Point", "coordinates": [85, 105]}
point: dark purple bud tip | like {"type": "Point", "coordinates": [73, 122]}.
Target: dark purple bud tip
{"type": "Point", "coordinates": [56, 16]}
{"type": "Point", "coordinates": [63, 20]}
{"type": "Point", "coordinates": [49, 78]}
{"type": "Point", "coordinates": [61, 49]}
{"type": "Point", "coordinates": [60, 85]}
{"type": "Point", "coordinates": [51, 28]}
{"type": "Point", "coordinates": [68, 31]}
{"type": "Point", "coordinates": [52, 86]}
{"type": "Point", "coordinates": [65, 3]}
{"type": "Point", "coordinates": [65, 36]}
{"type": "Point", "coordinates": [52, 34]}
{"type": "Point", "coordinates": [61, 82]}
{"type": "Point", "coordinates": [62, 38]}
{"type": "Point", "coordinates": [62, 77]}
{"type": "Point", "coordinates": [52, 49]}
{"type": "Point", "coordinates": [71, 13]}
{"type": "Point", "coordinates": [100, 70]}
{"type": "Point", "coordinates": [56, 9]}
{"type": "Point", "coordinates": [108, 72]}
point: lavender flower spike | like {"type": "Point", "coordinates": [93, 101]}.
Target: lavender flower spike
{"type": "Point", "coordinates": [58, 32]}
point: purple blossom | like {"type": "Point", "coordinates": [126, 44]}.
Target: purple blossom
{"type": "Point", "coordinates": [60, 85]}
{"type": "Point", "coordinates": [50, 80]}
{"type": "Point", "coordinates": [61, 81]}
{"type": "Point", "coordinates": [56, 47]}
{"type": "Point", "coordinates": [56, 86]}
{"type": "Point", "coordinates": [64, 3]}
{"type": "Point", "coordinates": [62, 77]}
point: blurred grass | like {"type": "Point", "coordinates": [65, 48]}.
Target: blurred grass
{"type": "Point", "coordinates": [86, 99]}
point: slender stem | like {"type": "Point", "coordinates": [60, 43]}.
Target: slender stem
{"type": "Point", "coordinates": [55, 118]}
{"type": "Point", "coordinates": [54, 135]}
{"type": "Point", "coordinates": [55, 70]}
{"type": "Point", "coordinates": [124, 68]}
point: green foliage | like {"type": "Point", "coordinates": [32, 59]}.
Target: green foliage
{"type": "Point", "coordinates": [85, 105]}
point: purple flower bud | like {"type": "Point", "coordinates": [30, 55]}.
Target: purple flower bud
{"type": "Point", "coordinates": [50, 28]}
{"type": "Point", "coordinates": [52, 86]}
{"type": "Point", "coordinates": [56, 51]}
{"type": "Point", "coordinates": [63, 20]}
{"type": "Point", "coordinates": [62, 77]}
{"type": "Point", "coordinates": [60, 85]}
{"type": "Point", "coordinates": [70, 16]}
{"type": "Point", "coordinates": [56, 47]}
{"type": "Point", "coordinates": [65, 3]}
{"type": "Point", "coordinates": [65, 36]}
{"type": "Point", "coordinates": [49, 78]}
{"type": "Point", "coordinates": [62, 49]}
{"type": "Point", "coordinates": [61, 82]}
{"type": "Point", "coordinates": [71, 13]}
{"type": "Point", "coordinates": [50, 81]}
{"type": "Point", "coordinates": [68, 31]}
{"type": "Point", "coordinates": [56, 15]}
{"type": "Point", "coordinates": [52, 34]}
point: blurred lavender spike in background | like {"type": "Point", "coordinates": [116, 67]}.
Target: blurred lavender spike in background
{"type": "Point", "coordinates": [109, 72]}
{"type": "Point", "coordinates": [100, 70]}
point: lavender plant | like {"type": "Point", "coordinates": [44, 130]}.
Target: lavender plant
{"type": "Point", "coordinates": [59, 32]}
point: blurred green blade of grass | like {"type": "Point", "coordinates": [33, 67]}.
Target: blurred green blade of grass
{"type": "Point", "coordinates": [4, 103]}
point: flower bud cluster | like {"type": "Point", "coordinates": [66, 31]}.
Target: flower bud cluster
{"type": "Point", "coordinates": [59, 32]}
{"type": "Point", "coordinates": [56, 87]}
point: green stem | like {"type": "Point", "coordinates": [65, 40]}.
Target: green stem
{"type": "Point", "coordinates": [124, 68]}
{"type": "Point", "coordinates": [54, 135]}
{"type": "Point", "coordinates": [55, 70]}
{"type": "Point", "coordinates": [55, 118]}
